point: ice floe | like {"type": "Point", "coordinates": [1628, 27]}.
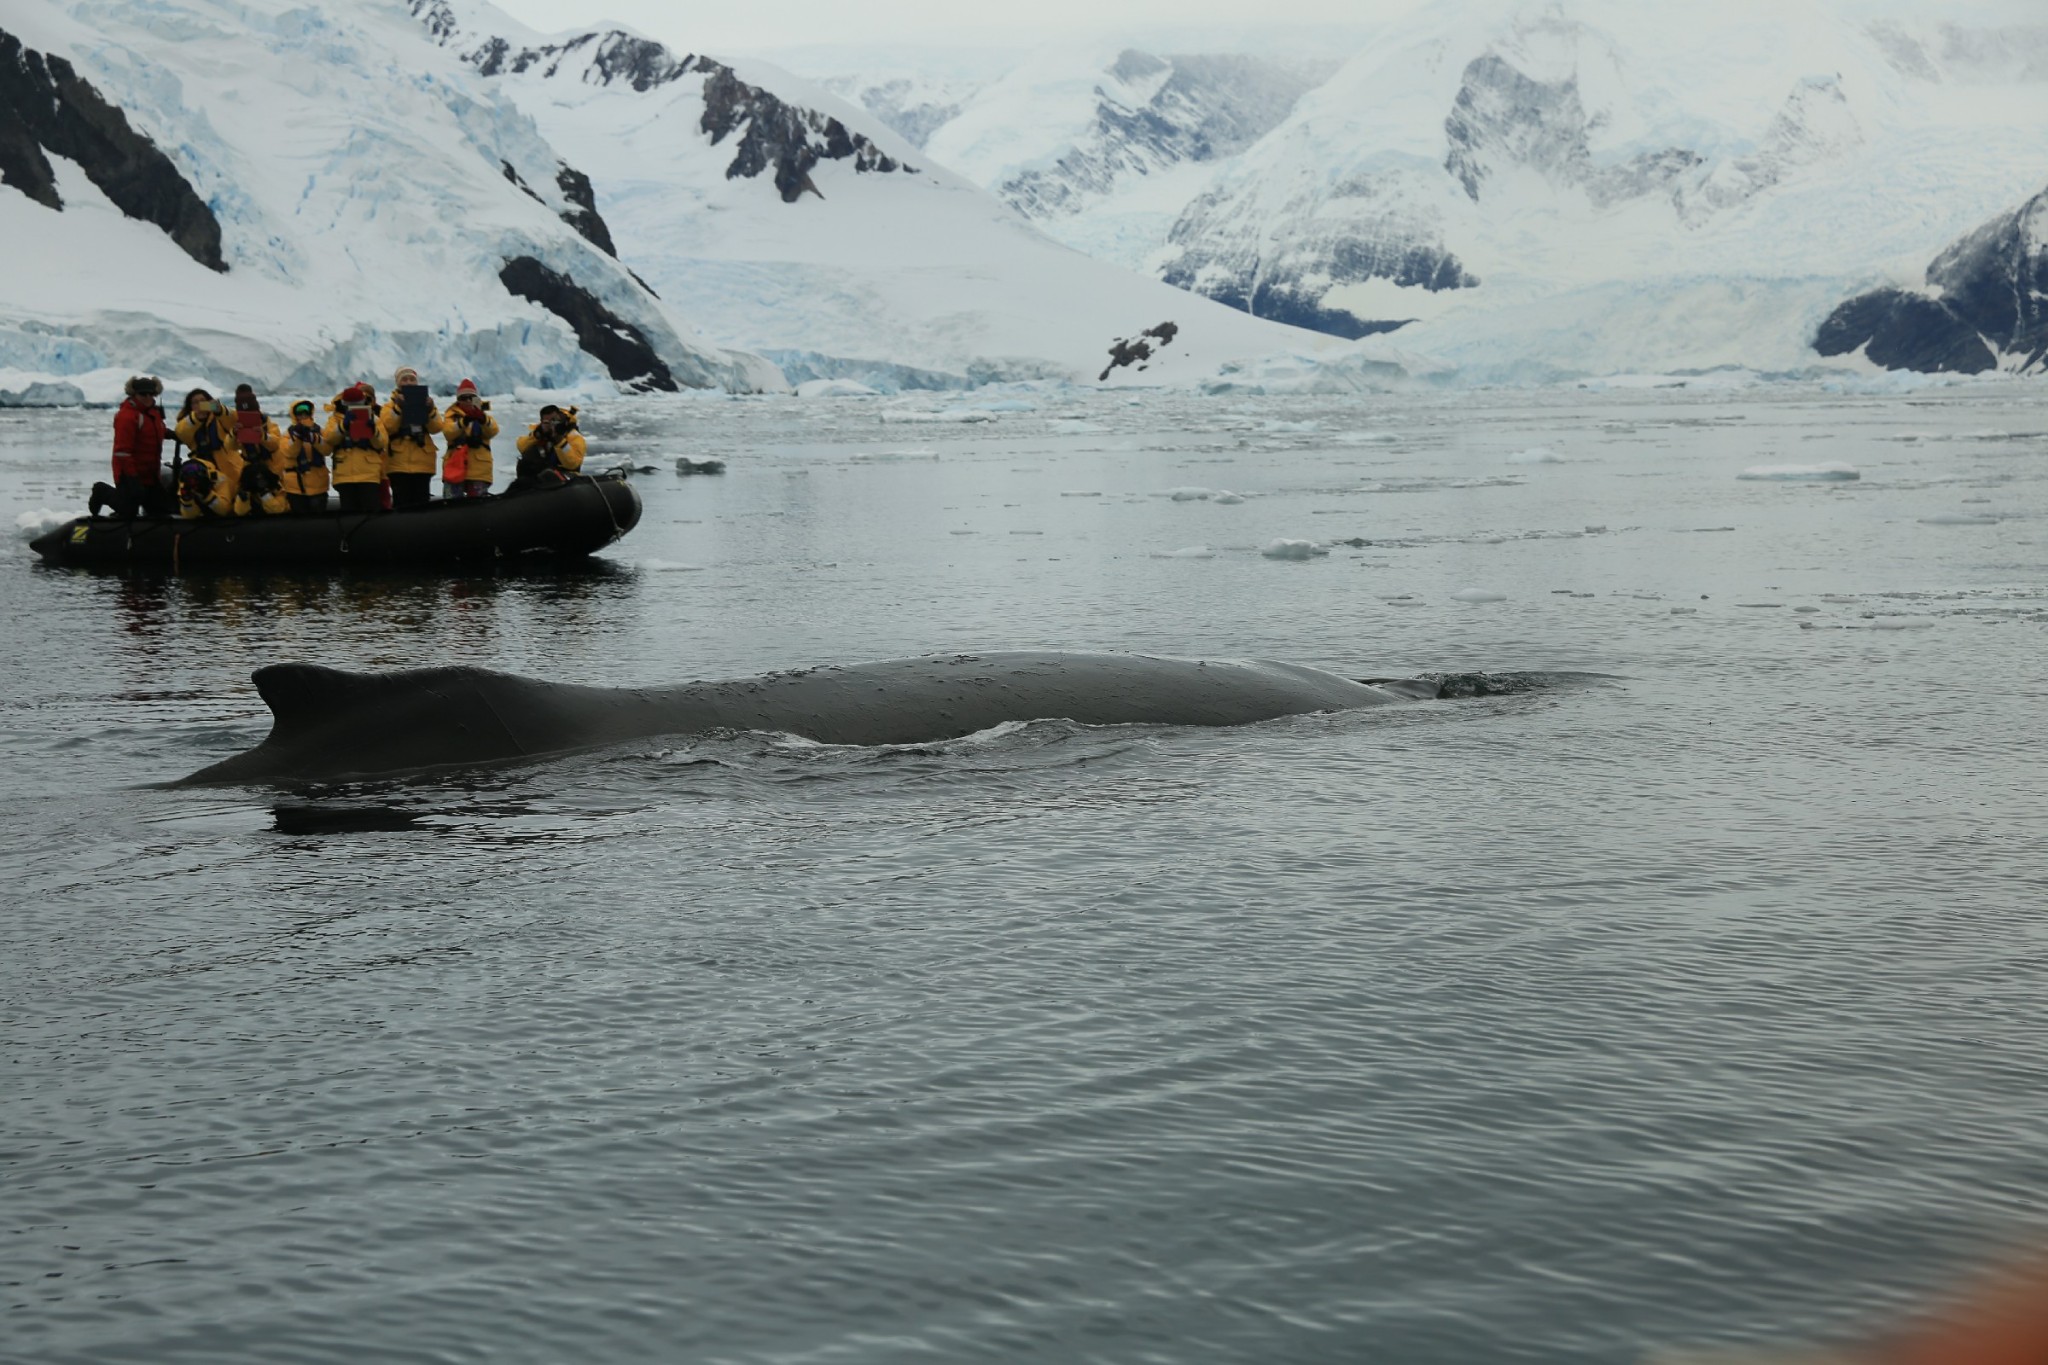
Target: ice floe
{"type": "Point", "coordinates": [1284, 548]}
{"type": "Point", "coordinates": [1832, 472]}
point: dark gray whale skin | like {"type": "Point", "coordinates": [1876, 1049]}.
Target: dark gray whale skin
{"type": "Point", "coordinates": [328, 723]}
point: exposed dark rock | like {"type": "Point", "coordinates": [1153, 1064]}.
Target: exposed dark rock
{"type": "Point", "coordinates": [1140, 348]}
{"type": "Point", "coordinates": [1987, 299]}
{"type": "Point", "coordinates": [46, 107]}
{"type": "Point", "coordinates": [622, 348]}
{"type": "Point", "coordinates": [575, 186]}
{"type": "Point", "coordinates": [1905, 331]}
{"type": "Point", "coordinates": [787, 137]}
{"type": "Point", "coordinates": [514, 176]}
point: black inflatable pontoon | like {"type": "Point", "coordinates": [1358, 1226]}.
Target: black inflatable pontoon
{"type": "Point", "coordinates": [569, 520]}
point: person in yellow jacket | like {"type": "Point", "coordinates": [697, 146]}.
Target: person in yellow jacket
{"type": "Point", "coordinates": [356, 442]}
{"type": "Point", "coordinates": [411, 422]}
{"type": "Point", "coordinates": [206, 430]}
{"type": "Point", "coordinates": [202, 491]}
{"type": "Point", "coordinates": [550, 452]}
{"type": "Point", "coordinates": [257, 489]}
{"type": "Point", "coordinates": [300, 463]}
{"type": "Point", "coordinates": [466, 469]}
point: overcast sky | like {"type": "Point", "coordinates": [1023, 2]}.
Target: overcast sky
{"type": "Point", "coordinates": [750, 26]}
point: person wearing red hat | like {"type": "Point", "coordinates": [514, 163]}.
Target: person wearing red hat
{"type": "Point", "coordinates": [356, 442]}
{"type": "Point", "coordinates": [466, 469]}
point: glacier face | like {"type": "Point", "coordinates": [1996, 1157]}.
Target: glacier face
{"type": "Point", "coordinates": [350, 199]}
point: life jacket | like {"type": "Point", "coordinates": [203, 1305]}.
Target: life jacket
{"type": "Point", "coordinates": [358, 425]}
{"type": "Point", "coordinates": [198, 483]}
{"type": "Point", "coordinates": [414, 407]}
{"type": "Point", "coordinates": [206, 436]}
{"type": "Point", "coordinates": [305, 439]}
{"type": "Point", "coordinates": [466, 423]}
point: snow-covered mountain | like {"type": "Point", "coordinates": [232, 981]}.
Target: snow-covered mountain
{"type": "Point", "coordinates": [1101, 145]}
{"type": "Point", "coordinates": [1544, 189]}
{"type": "Point", "coordinates": [253, 189]}
{"type": "Point", "coordinates": [296, 197]}
{"type": "Point", "coordinates": [1588, 186]}
{"type": "Point", "coordinates": [857, 257]}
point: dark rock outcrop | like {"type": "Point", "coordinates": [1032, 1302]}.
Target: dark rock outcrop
{"type": "Point", "coordinates": [47, 109]}
{"type": "Point", "coordinates": [1986, 304]}
{"type": "Point", "coordinates": [787, 137]}
{"type": "Point", "coordinates": [1905, 331]}
{"type": "Point", "coordinates": [1139, 349]}
{"type": "Point", "coordinates": [623, 349]}
{"type": "Point", "coordinates": [575, 187]}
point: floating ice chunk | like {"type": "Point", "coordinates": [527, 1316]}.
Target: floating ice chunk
{"type": "Point", "coordinates": [1282, 424]}
{"type": "Point", "coordinates": [1478, 595]}
{"type": "Point", "coordinates": [1958, 519]}
{"type": "Point", "coordinates": [1191, 494]}
{"type": "Point", "coordinates": [1008, 405]}
{"type": "Point", "coordinates": [1223, 497]}
{"type": "Point", "coordinates": [1284, 548]}
{"type": "Point", "coordinates": [942, 415]}
{"type": "Point", "coordinates": [1902, 623]}
{"type": "Point", "coordinates": [1536, 455]}
{"type": "Point", "coordinates": [29, 525]}
{"type": "Point", "coordinates": [1833, 472]}
{"type": "Point", "coordinates": [1186, 552]}
{"type": "Point", "coordinates": [835, 388]}
{"type": "Point", "coordinates": [890, 456]}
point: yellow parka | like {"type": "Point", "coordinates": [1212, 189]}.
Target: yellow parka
{"type": "Point", "coordinates": [353, 463]}
{"type": "Point", "coordinates": [409, 454]}
{"type": "Point", "coordinates": [475, 432]}
{"type": "Point", "coordinates": [212, 439]}
{"type": "Point", "coordinates": [568, 451]}
{"type": "Point", "coordinates": [263, 458]}
{"type": "Point", "coordinates": [211, 496]}
{"type": "Point", "coordinates": [299, 445]}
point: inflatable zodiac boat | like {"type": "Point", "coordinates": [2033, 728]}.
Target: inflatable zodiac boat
{"type": "Point", "coordinates": [569, 520]}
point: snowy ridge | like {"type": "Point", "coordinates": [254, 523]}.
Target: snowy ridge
{"type": "Point", "coordinates": [367, 201]}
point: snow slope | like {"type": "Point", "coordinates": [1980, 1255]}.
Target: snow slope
{"type": "Point", "coordinates": [369, 197]}
{"type": "Point", "coordinates": [881, 266]}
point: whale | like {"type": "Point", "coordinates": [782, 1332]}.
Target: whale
{"type": "Point", "coordinates": [331, 723]}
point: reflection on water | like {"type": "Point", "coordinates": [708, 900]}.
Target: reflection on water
{"type": "Point", "coordinates": [1558, 1025]}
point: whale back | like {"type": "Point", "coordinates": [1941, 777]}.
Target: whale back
{"type": "Point", "coordinates": [330, 723]}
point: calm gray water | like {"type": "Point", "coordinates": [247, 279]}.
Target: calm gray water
{"type": "Point", "coordinates": [1698, 1006]}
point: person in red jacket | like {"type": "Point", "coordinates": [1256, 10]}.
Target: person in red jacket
{"type": "Point", "coordinates": [138, 487]}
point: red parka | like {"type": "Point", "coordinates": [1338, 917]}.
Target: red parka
{"type": "Point", "coordinates": [138, 442]}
